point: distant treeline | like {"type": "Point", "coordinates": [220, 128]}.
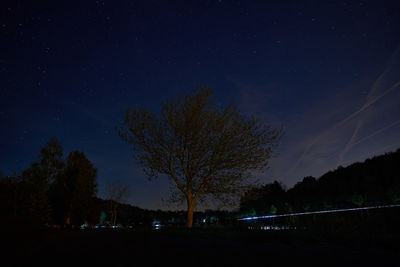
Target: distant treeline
{"type": "Point", "coordinates": [52, 191]}
{"type": "Point", "coordinates": [373, 182]}
{"type": "Point", "coordinates": [129, 215]}
{"type": "Point", "coordinates": [61, 192]}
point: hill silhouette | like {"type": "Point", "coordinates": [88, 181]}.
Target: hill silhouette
{"type": "Point", "coordinates": [376, 181]}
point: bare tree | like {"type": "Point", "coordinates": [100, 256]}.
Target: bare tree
{"type": "Point", "coordinates": [208, 152]}
{"type": "Point", "coordinates": [116, 193]}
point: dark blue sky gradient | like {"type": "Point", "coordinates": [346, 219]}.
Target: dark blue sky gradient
{"type": "Point", "coordinates": [328, 71]}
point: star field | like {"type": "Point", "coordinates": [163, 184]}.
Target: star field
{"type": "Point", "coordinates": [328, 71]}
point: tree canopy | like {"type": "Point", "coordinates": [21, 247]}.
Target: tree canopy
{"type": "Point", "coordinates": [207, 151]}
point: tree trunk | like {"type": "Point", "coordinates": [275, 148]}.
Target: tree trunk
{"type": "Point", "coordinates": [115, 216]}
{"type": "Point", "coordinates": [67, 222]}
{"type": "Point", "coordinates": [190, 210]}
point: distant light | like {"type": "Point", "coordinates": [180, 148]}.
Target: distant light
{"type": "Point", "coordinates": [316, 212]}
{"type": "Point", "coordinates": [270, 227]}
{"type": "Point", "coordinates": [158, 226]}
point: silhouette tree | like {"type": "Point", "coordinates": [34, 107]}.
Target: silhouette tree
{"type": "Point", "coordinates": [116, 192]}
{"type": "Point", "coordinates": [304, 194]}
{"type": "Point", "coordinates": [81, 187]}
{"type": "Point", "coordinates": [357, 200]}
{"type": "Point", "coordinates": [9, 194]}
{"type": "Point", "coordinates": [268, 199]}
{"type": "Point", "coordinates": [37, 179]}
{"type": "Point", "coordinates": [35, 191]}
{"type": "Point", "coordinates": [50, 160]}
{"type": "Point", "coordinates": [251, 202]}
{"type": "Point", "coordinates": [208, 152]}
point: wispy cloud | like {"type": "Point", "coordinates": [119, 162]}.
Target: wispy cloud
{"type": "Point", "coordinates": [342, 127]}
{"type": "Point", "coordinates": [379, 89]}
{"type": "Point", "coordinates": [364, 139]}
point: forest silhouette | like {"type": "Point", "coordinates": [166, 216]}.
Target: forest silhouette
{"type": "Point", "coordinates": [57, 193]}
{"type": "Point", "coordinates": [30, 235]}
{"type": "Point", "coordinates": [372, 182]}
{"type": "Point", "coordinates": [360, 200]}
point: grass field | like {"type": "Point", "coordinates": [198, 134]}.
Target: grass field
{"type": "Point", "coordinates": [196, 247]}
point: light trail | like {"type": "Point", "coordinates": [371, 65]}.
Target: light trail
{"type": "Point", "coordinates": [317, 212]}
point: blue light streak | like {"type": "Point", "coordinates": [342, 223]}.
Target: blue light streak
{"type": "Point", "coordinates": [317, 212]}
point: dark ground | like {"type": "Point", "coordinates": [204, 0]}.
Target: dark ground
{"type": "Point", "coordinates": [199, 247]}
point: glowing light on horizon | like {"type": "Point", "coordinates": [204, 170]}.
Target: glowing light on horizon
{"type": "Point", "coordinates": [316, 212]}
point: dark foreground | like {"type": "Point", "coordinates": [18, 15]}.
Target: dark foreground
{"type": "Point", "coordinates": [199, 247]}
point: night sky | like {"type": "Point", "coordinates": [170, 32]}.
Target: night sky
{"type": "Point", "coordinates": [328, 71]}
